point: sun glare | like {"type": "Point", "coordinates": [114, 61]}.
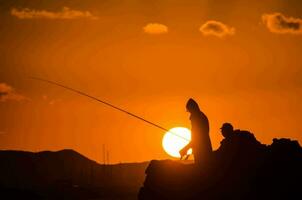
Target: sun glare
{"type": "Point", "coordinates": [174, 140]}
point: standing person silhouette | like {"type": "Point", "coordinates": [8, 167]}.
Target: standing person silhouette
{"type": "Point", "coordinates": [200, 138]}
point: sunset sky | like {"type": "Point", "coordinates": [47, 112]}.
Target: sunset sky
{"type": "Point", "coordinates": [240, 60]}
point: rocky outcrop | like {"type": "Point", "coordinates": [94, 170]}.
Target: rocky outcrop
{"type": "Point", "coordinates": [240, 169]}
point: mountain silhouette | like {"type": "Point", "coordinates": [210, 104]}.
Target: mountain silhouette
{"type": "Point", "coordinates": [65, 174]}
{"type": "Point", "coordinates": [239, 170]}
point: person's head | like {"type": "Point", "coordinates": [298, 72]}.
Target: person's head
{"type": "Point", "coordinates": [192, 106]}
{"type": "Point", "coordinates": [227, 130]}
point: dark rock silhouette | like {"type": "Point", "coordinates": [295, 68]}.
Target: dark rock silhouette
{"type": "Point", "coordinates": [66, 174]}
{"type": "Point", "coordinates": [242, 168]}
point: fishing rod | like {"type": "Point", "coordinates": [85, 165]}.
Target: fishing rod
{"type": "Point", "coordinates": [108, 104]}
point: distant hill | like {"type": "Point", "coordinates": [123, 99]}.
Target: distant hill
{"type": "Point", "coordinates": [66, 174]}
{"type": "Point", "coordinates": [241, 169]}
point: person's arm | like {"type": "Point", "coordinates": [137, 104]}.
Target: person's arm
{"type": "Point", "coordinates": [183, 151]}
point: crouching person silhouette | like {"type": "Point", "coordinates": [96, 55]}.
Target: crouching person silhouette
{"type": "Point", "coordinates": [200, 138]}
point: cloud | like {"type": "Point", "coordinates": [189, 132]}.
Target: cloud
{"type": "Point", "coordinates": [44, 97]}
{"type": "Point", "coordinates": [278, 23]}
{"type": "Point", "coordinates": [65, 13]}
{"type": "Point", "coordinates": [54, 101]}
{"type": "Point", "coordinates": [216, 28]}
{"type": "Point", "coordinates": [8, 93]}
{"type": "Point", "coordinates": [50, 101]}
{"type": "Point", "coordinates": [155, 28]}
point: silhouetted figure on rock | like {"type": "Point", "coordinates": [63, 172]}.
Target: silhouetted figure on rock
{"type": "Point", "coordinates": [200, 139]}
{"type": "Point", "coordinates": [235, 147]}
{"type": "Point", "coordinates": [235, 140]}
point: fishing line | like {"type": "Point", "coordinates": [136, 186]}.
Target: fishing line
{"type": "Point", "coordinates": [108, 104]}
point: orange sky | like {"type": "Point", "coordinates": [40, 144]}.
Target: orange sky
{"type": "Point", "coordinates": [240, 60]}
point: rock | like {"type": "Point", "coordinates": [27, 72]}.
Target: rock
{"type": "Point", "coordinates": [239, 170]}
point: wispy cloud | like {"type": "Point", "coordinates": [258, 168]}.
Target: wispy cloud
{"type": "Point", "coordinates": [8, 93]}
{"type": "Point", "coordinates": [65, 13]}
{"type": "Point", "coordinates": [216, 28]}
{"type": "Point", "coordinates": [155, 28]}
{"type": "Point", "coordinates": [278, 23]}
{"type": "Point", "coordinates": [50, 101]}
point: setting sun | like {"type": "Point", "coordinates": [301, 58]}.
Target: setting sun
{"type": "Point", "coordinates": [176, 139]}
